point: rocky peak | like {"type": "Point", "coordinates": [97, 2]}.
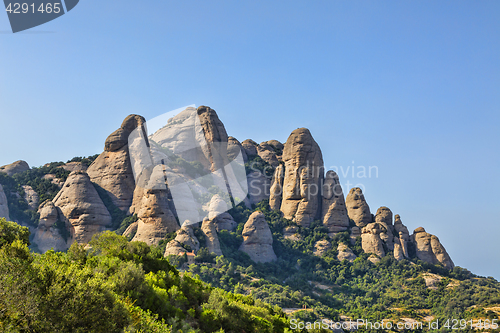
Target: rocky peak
{"type": "Point", "coordinates": [357, 208]}
{"type": "Point", "coordinates": [119, 138]}
{"type": "Point", "coordinates": [81, 207]}
{"type": "Point", "coordinates": [112, 170]}
{"type": "Point", "coordinates": [303, 178]}
{"type": "Point", "coordinates": [334, 214]}
{"type": "Point", "coordinates": [430, 249]}
{"type": "Point", "coordinates": [16, 167]}
{"type": "Point", "coordinates": [258, 239]}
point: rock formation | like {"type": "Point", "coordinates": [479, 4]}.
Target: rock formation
{"type": "Point", "coordinates": [384, 218]}
{"type": "Point", "coordinates": [131, 230]}
{"type": "Point", "coordinates": [185, 241]}
{"type": "Point", "coordinates": [31, 197]}
{"type": "Point", "coordinates": [292, 233]}
{"type": "Point", "coordinates": [4, 206]}
{"type": "Point", "coordinates": [267, 153]}
{"type": "Point", "coordinates": [430, 249]}
{"type": "Point", "coordinates": [303, 178]}
{"type": "Point", "coordinates": [209, 230]}
{"type": "Point", "coordinates": [47, 235]}
{"type": "Point", "coordinates": [371, 241]}
{"type": "Point", "coordinates": [403, 237]}
{"type": "Point", "coordinates": [258, 239]}
{"type": "Point", "coordinates": [276, 191]}
{"type": "Point", "coordinates": [156, 219]}
{"type": "Point", "coordinates": [357, 208]}
{"type": "Point", "coordinates": [225, 221]}
{"type": "Point", "coordinates": [234, 148]}
{"type": "Point", "coordinates": [16, 167]}
{"type": "Point", "coordinates": [250, 147]}
{"type": "Point", "coordinates": [74, 166]}
{"type": "Point", "coordinates": [81, 207]}
{"type": "Point", "coordinates": [345, 253]}
{"type": "Point", "coordinates": [334, 213]}
{"type": "Point", "coordinates": [320, 247]}
{"type": "Point", "coordinates": [112, 170]}
{"type": "Point", "coordinates": [355, 233]}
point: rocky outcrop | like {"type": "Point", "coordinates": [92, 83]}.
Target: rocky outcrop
{"type": "Point", "coordinates": [185, 241]}
{"type": "Point", "coordinates": [131, 230]}
{"type": "Point", "coordinates": [4, 205]}
{"type": "Point", "coordinates": [321, 247]}
{"type": "Point", "coordinates": [112, 170]}
{"type": "Point", "coordinates": [276, 191]}
{"type": "Point", "coordinates": [403, 238]}
{"type": "Point", "coordinates": [16, 167]}
{"type": "Point", "coordinates": [156, 219]}
{"type": "Point", "coordinates": [267, 153]}
{"type": "Point", "coordinates": [54, 180]}
{"type": "Point", "coordinates": [334, 214]}
{"type": "Point", "coordinates": [371, 241]}
{"type": "Point", "coordinates": [355, 233]}
{"type": "Point", "coordinates": [430, 249]}
{"type": "Point", "coordinates": [81, 207]}
{"type": "Point", "coordinates": [258, 187]}
{"type": "Point", "coordinates": [345, 253]}
{"type": "Point", "coordinates": [74, 166]}
{"type": "Point", "coordinates": [303, 178]}
{"type": "Point", "coordinates": [357, 208]}
{"type": "Point", "coordinates": [384, 218]}
{"type": "Point", "coordinates": [209, 229]}
{"type": "Point", "coordinates": [47, 235]}
{"type": "Point", "coordinates": [225, 221]}
{"type": "Point", "coordinates": [31, 197]}
{"type": "Point", "coordinates": [234, 148]}
{"type": "Point", "coordinates": [250, 147]}
{"type": "Point", "coordinates": [258, 239]}
{"type": "Point", "coordinates": [292, 233]}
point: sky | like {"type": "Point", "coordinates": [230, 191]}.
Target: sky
{"type": "Point", "coordinates": [409, 88]}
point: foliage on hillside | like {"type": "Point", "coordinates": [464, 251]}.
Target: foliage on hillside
{"type": "Point", "coordinates": [389, 289]}
{"type": "Point", "coordinates": [116, 286]}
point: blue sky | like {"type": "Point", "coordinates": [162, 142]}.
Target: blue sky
{"type": "Point", "coordinates": [411, 87]}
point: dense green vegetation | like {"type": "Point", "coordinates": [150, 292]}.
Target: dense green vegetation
{"type": "Point", "coordinates": [116, 286]}
{"type": "Point", "coordinates": [330, 288]}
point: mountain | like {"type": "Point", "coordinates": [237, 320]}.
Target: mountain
{"type": "Point", "coordinates": [294, 240]}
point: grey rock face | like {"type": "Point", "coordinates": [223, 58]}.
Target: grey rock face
{"type": "Point", "coordinates": [371, 241]}
{"type": "Point", "coordinates": [31, 197]}
{"type": "Point", "coordinates": [303, 178]}
{"type": "Point", "coordinates": [47, 235]}
{"type": "Point", "coordinates": [334, 214]}
{"type": "Point", "coordinates": [430, 249]}
{"type": "Point", "coordinates": [209, 229]}
{"type": "Point", "coordinates": [81, 207]}
{"type": "Point", "coordinates": [258, 239]}
{"type": "Point", "coordinates": [156, 219]}
{"type": "Point", "coordinates": [112, 170]}
{"type": "Point", "coordinates": [357, 208]}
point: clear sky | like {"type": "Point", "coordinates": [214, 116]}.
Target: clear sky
{"type": "Point", "coordinates": [410, 87]}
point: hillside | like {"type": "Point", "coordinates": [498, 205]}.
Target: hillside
{"type": "Point", "coordinates": [294, 242]}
